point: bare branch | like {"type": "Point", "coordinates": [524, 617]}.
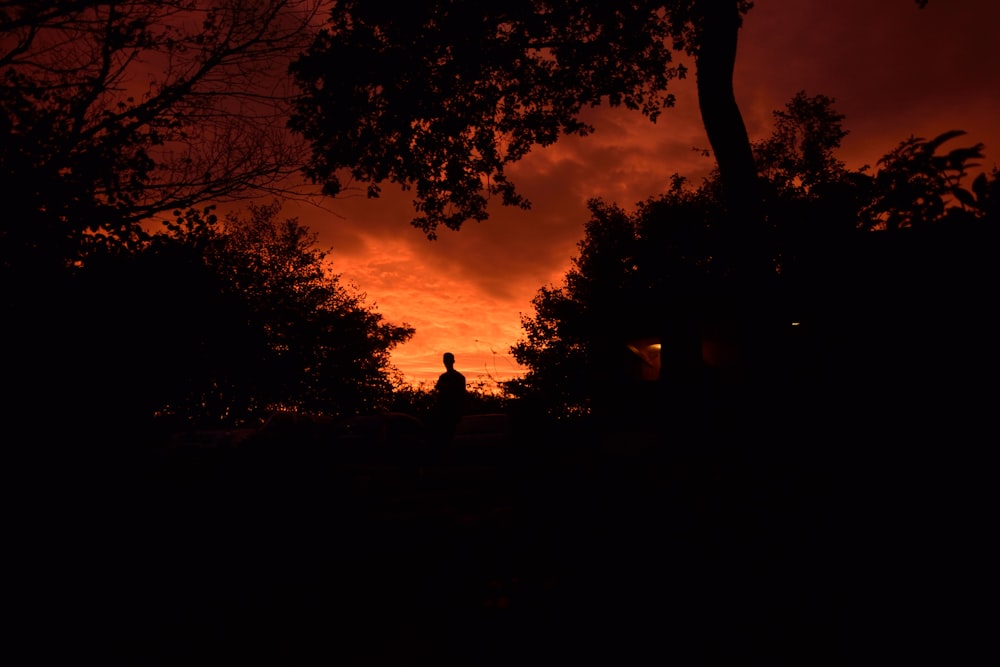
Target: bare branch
{"type": "Point", "coordinates": [150, 105]}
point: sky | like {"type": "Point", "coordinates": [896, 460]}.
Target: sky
{"type": "Point", "coordinates": [893, 70]}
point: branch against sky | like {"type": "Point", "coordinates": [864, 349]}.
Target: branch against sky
{"type": "Point", "coordinates": [440, 97]}
{"type": "Point", "coordinates": [117, 111]}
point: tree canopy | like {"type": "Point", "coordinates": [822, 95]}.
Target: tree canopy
{"type": "Point", "coordinates": [825, 227]}
{"type": "Point", "coordinates": [442, 96]}
{"type": "Point", "coordinates": [326, 349]}
{"type": "Point", "coordinates": [112, 112]}
{"type": "Point", "coordinates": [215, 323]}
{"type": "Point", "coordinates": [113, 115]}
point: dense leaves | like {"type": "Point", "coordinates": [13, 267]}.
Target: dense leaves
{"type": "Point", "coordinates": [205, 324]}
{"type": "Point", "coordinates": [442, 96]}
{"type": "Point", "coordinates": [633, 273]}
{"type": "Point", "coordinates": [916, 186]}
{"type": "Point", "coordinates": [303, 341]}
{"type": "Point", "coordinates": [113, 115]}
{"type": "Point", "coordinates": [639, 275]}
{"type": "Point", "coordinates": [564, 341]}
{"type": "Point", "coordinates": [799, 154]}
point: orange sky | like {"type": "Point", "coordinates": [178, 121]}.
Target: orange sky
{"type": "Point", "coordinates": [893, 70]}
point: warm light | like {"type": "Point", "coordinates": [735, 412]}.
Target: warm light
{"type": "Point", "coordinates": [648, 351]}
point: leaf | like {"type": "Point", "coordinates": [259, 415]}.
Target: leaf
{"type": "Point", "coordinates": [980, 187]}
{"type": "Point", "coordinates": [934, 143]}
{"type": "Point", "coordinates": [960, 156]}
{"type": "Point", "coordinates": [964, 196]}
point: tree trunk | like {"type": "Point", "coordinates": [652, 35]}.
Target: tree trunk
{"type": "Point", "coordinates": [715, 62]}
{"type": "Point", "coordinates": [742, 250]}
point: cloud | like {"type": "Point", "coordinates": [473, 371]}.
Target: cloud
{"type": "Point", "coordinates": [893, 70]}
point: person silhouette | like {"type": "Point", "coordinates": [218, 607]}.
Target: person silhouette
{"type": "Point", "coordinates": [451, 396]}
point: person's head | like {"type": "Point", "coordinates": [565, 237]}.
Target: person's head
{"type": "Point", "coordinates": [449, 359]}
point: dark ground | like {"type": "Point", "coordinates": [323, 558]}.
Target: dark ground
{"type": "Point", "coordinates": [612, 548]}
{"type": "Point", "coordinates": [593, 554]}
{"type": "Point", "coordinates": [866, 536]}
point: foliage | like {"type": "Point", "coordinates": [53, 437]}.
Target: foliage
{"type": "Point", "coordinates": [212, 323]}
{"type": "Point", "coordinates": [442, 96]}
{"type": "Point", "coordinates": [799, 154]}
{"type": "Point", "coordinates": [159, 330]}
{"type": "Point", "coordinates": [629, 267]}
{"type": "Point", "coordinates": [112, 112]}
{"type": "Point", "coordinates": [639, 269]}
{"type": "Point", "coordinates": [916, 186]}
{"type": "Point", "coordinates": [421, 400]}
{"type": "Point", "coordinates": [311, 344]}
{"type": "Point", "coordinates": [561, 344]}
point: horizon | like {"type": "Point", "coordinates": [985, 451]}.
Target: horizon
{"type": "Point", "coordinates": [475, 284]}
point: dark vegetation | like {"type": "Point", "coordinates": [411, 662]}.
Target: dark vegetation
{"type": "Point", "coordinates": [188, 390]}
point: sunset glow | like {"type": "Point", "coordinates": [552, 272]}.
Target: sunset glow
{"type": "Point", "coordinates": [893, 70]}
{"type": "Point", "coordinates": [280, 418]}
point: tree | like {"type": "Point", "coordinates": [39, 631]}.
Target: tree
{"type": "Point", "coordinates": [916, 187]}
{"type": "Point", "coordinates": [451, 92]}
{"type": "Point", "coordinates": [327, 351]}
{"type": "Point", "coordinates": [290, 334]}
{"type": "Point", "coordinates": [208, 324]}
{"type": "Point", "coordinates": [631, 269]}
{"type": "Point", "coordinates": [113, 112]}
{"type": "Point", "coordinates": [566, 346]}
{"type": "Point", "coordinates": [835, 266]}
{"type": "Point", "coordinates": [638, 269]}
{"type": "Point", "coordinates": [798, 158]}
{"type": "Point", "coordinates": [444, 95]}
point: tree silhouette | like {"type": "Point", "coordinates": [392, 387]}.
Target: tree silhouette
{"type": "Point", "coordinates": [917, 187]}
{"type": "Point", "coordinates": [798, 157]}
{"type": "Point", "coordinates": [444, 95]}
{"type": "Point", "coordinates": [574, 358]}
{"type": "Point", "coordinates": [633, 268]}
{"type": "Point", "coordinates": [206, 324]}
{"type": "Point", "coordinates": [112, 112]}
{"type": "Point", "coordinates": [287, 333]}
{"type": "Point", "coordinates": [328, 351]}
